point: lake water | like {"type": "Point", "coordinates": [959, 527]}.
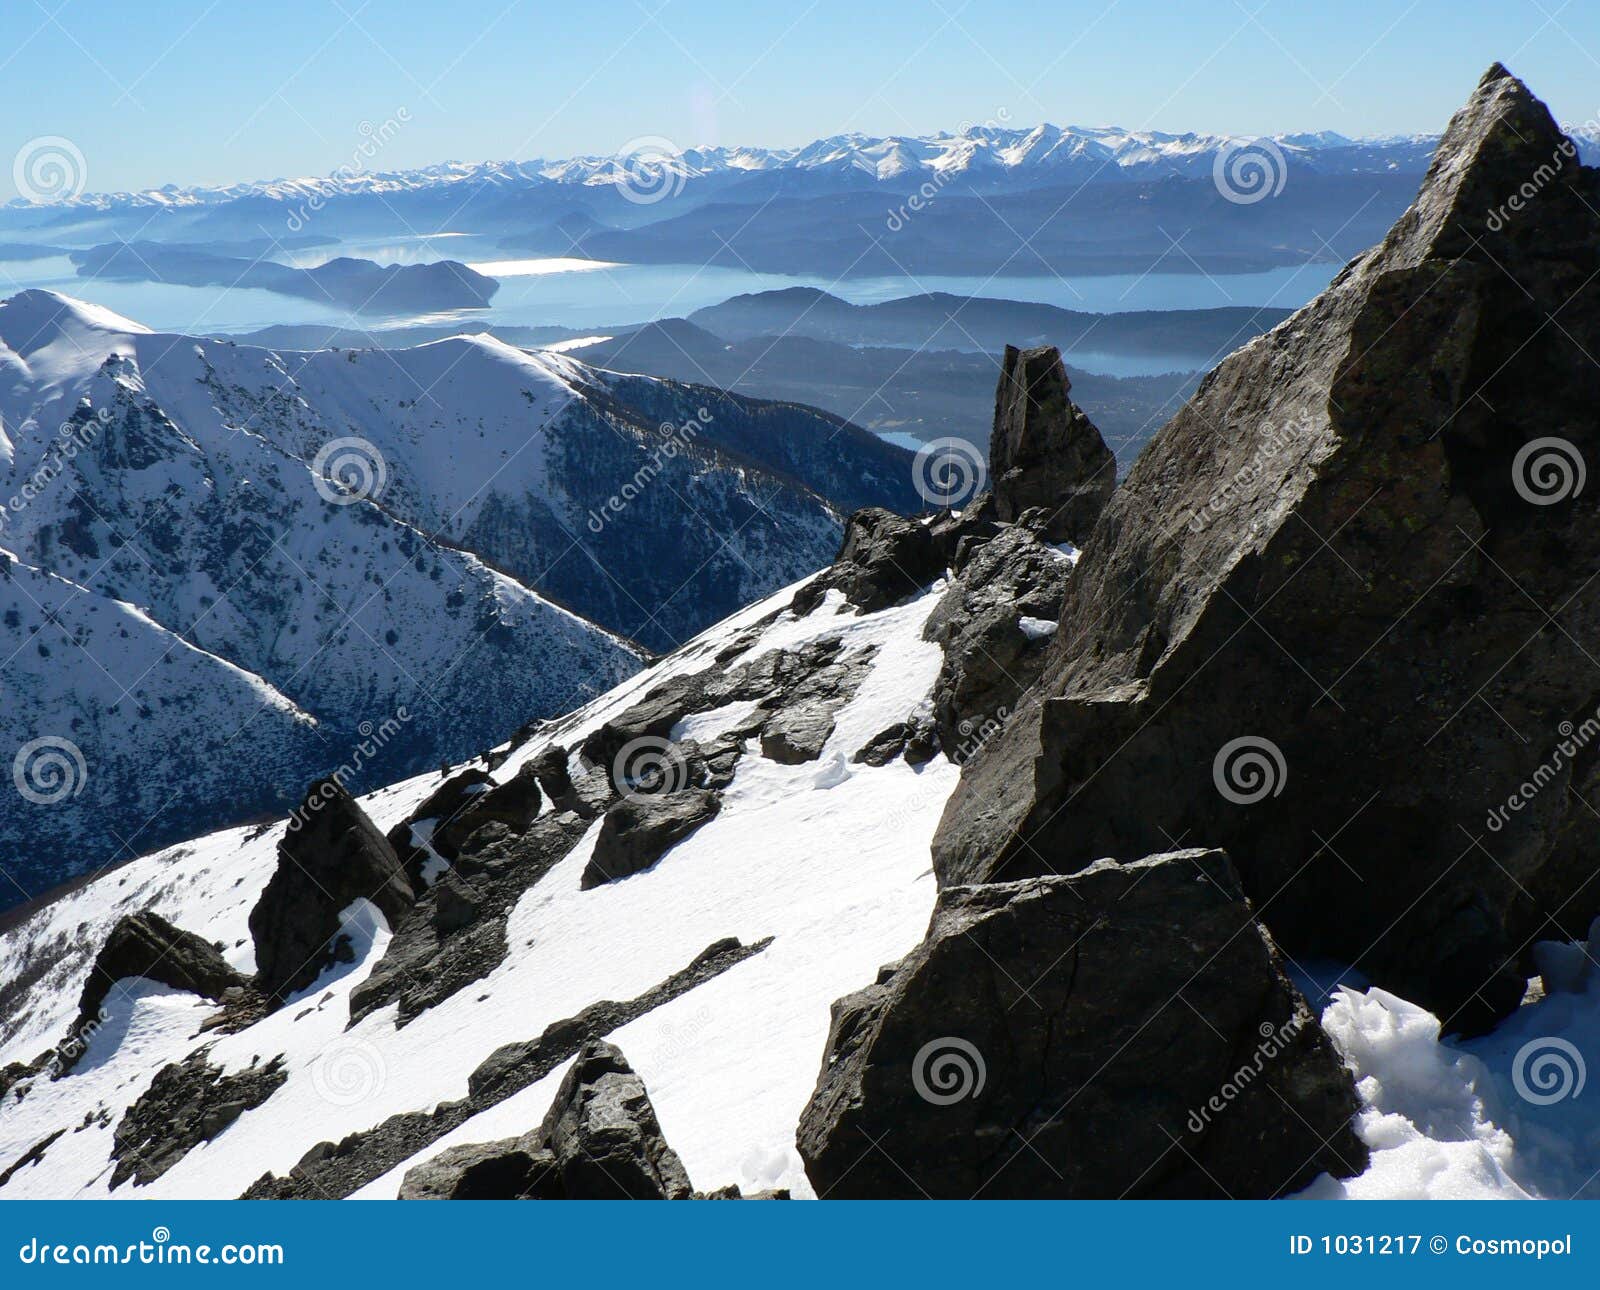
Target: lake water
{"type": "Point", "coordinates": [596, 296]}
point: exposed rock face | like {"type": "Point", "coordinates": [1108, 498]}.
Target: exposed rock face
{"type": "Point", "coordinates": [440, 807]}
{"type": "Point", "coordinates": [146, 945]}
{"type": "Point", "coordinates": [511, 1169]}
{"type": "Point", "coordinates": [331, 856]}
{"type": "Point", "coordinates": [188, 1102]}
{"type": "Point", "coordinates": [455, 934]}
{"type": "Point", "coordinates": [604, 1134]}
{"type": "Point", "coordinates": [1044, 451]}
{"type": "Point", "coordinates": [1011, 584]}
{"type": "Point", "coordinates": [885, 558]}
{"type": "Point", "coordinates": [638, 831]}
{"type": "Point", "coordinates": [1355, 549]}
{"type": "Point", "coordinates": [1126, 1031]}
{"type": "Point", "coordinates": [600, 1141]}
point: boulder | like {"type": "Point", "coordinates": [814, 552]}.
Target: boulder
{"type": "Point", "coordinates": [599, 1141]}
{"type": "Point", "coordinates": [440, 806]}
{"type": "Point", "coordinates": [637, 831]}
{"type": "Point", "coordinates": [331, 856]}
{"type": "Point", "coordinates": [604, 1134]}
{"type": "Point", "coordinates": [1340, 615]}
{"type": "Point", "coordinates": [1044, 451]}
{"type": "Point", "coordinates": [512, 1169]}
{"type": "Point", "coordinates": [146, 945]}
{"type": "Point", "coordinates": [797, 734]}
{"type": "Point", "coordinates": [1125, 1031]}
{"type": "Point", "coordinates": [514, 804]}
{"type": "Point", "coordinates": [885, 558]}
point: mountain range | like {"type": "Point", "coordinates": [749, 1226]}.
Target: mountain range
{"type": "Point", "coordinates": [226, 566]}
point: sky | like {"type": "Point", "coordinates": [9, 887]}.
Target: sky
{"type": "Point", "coordinates": [217, 91]}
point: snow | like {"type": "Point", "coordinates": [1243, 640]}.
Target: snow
{"type": "Point", "coordinates": [1036, 629]}
{"type": "Point", "coordinates": [841, 882]}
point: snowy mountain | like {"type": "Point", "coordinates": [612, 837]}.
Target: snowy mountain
{"type": "Point", "coordinates": [215, 551]}
{"type": "Point", "coordinates": [1040, 154]}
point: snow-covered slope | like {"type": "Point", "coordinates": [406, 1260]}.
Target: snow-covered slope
{"type": "Point", "coordinates": [828, 858]}
{"type": "Point", "coordinates": [363, 538]}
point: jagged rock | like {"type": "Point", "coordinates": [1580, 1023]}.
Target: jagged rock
{"type": "Point", "coordinates": [637, 831]}
{"type": "Point", "coordinates": [885, 558]}
{"type": "Point", "coordinates": [455, 934]}
{"type": "Point", "coordinates": [797, 734]}
{"type": "Point", "coordinates": [514, 804]}
{"type": "Point", "coordinates": [1125, 1031]}
{"type": "Point", "coordinates": [884, 746]}
{"type": "Point", "coordinates": [990, 658]}
{"type": "Point", "coordinates": [441, 806]}
{"type": "Point", "coordinates": [512, 1169]}
{"type": "Point", "coordinates": [146, 945]}
{"type": "Point", "coordinates": [604, 1134]}
{"type": "Point", "coordinates": [599, 1141]}
{"type": "Point", "coordinates": [1363, 549]}
{"type": "Point", "coordinates": [331, 856]}
{"type": "Point", "coordinates": [187, 1103]}
{"type": "Point", "coordinates": [1044, 451]}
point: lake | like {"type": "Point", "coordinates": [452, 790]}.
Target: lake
{"type": "Point", "coordinates": [595, 296]}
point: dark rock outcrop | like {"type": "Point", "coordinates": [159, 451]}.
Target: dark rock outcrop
{"type": "Point", "coordinates": [455, 934]}
{"type": "Point", "coordinates": [1360, 565]}
{"type": "Point", "coordinates": [599, 1141]}
{"type": "Point", "coordinates": [146, 945]}
{"type": "Point", "coordinates": [1044, 451]}
{"type": "Point", "coordinates": [331, 856]}
{"type": "Point", "coordinates": [885, 558]}
{"type": "Point", "coordinates": [440, 806]}
{"type": "Point", "coordinates": [637, 831]}
{"type": "Point", "coordinates": [1126, 1031]}
{"type": "Point", "coordinates": [511, 1169]}
{"type": "Point", "coordinates": [187, 1103]}
{"type": "Point", "coordinates": [987, 625]}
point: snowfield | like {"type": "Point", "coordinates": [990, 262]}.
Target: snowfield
{"type": "Point", "coordinates": [828, 858]}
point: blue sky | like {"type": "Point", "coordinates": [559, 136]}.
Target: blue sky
{"type": "Point", "coordinates": [205, 91]}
